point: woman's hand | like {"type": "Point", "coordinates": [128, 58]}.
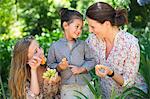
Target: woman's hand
{"type": "Point", "coordinates": [106, 70]}
{"type": "Point", "coordinates": [63, 64]}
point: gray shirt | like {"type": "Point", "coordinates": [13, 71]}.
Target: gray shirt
{"type": "Point", "coordinates": [80, 55]}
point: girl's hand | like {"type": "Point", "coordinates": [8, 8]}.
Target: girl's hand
{"type": "Point", "coordinates": [55, 80]}
{"type": "Point", "coordinates": [76, 70]}
{"type": "Point", "coordinates": [35, 62]}
{"type": "Point", "coordinates": [106, 70]}
{"type": "Point", "coordinates": [63, 64]}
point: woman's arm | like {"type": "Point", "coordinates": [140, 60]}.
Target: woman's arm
{"type": "Point", "coordinates": [131, 65]}
{"type": "Point", "coordinates": [117, 77]}
{"type": "Point", "coordinates": [108, 72]}
{"type": "Point", "coordinates": [130, 68]}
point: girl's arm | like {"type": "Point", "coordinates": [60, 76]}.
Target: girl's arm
{"type": "Point", "coordinates": [34, 86]}
{"type": "Point", "coordinates": [34, 63]}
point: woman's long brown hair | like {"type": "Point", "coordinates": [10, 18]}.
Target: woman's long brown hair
{"type": "Point", "coordinates": [19, 71]}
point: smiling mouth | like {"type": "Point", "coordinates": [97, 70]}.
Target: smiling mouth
{"type": "Point", "coordinates": [77, 34]}
{"type": "Point", "coordinates": [94, 33]}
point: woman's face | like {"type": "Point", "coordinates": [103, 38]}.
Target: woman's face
{"type": "Point", "coordinates": [96, 28]}
{"type": "Point", "coordinates": [34, 49]}
{"type": "Point", "coordinates": [74, 29]}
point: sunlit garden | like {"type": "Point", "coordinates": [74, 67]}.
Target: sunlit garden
{"type": "Point", "coordinates": [40, 18]}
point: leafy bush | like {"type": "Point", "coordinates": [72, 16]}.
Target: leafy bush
{"type": "Point", "coordinates": [94, 86]}
{"type": "Point", "coordinates": [5, 60]}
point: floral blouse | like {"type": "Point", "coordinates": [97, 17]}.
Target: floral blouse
{"type": "Point", "coordinates": [124, 59]}
{"type": "Point", "coordinates": [47, 91]}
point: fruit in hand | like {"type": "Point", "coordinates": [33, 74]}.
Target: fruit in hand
{"type": "Point", "coordinates": [43, 61]}
{"type": "Point", "coordinates": [64, 59]}
{"type": "Point", "coordinates": [50, 73]}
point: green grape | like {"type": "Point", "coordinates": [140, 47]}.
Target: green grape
{"type": "Point", "coordinates": [49, 73]}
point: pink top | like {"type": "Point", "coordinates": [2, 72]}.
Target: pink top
{"type": "Point", "coordinates": [124, 59]}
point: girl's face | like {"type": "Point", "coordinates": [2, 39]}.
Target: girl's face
{"type": "Point", "coordinates": [74, 29]}
{"type": "Point", "coordinates": [96, 28]}
{"type": "Point", "coordinates": [34, 49]}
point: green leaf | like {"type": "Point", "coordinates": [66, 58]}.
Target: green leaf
{"type": "Point", "coordinates": [81, 94]}
{"type": "Point", "coordinates": [135, 91]}
{"type": "Point", "coordinates": [113, 93]}
{"type": "Point", "coordinates": [90, 86]}
{"type": "Point", "coordinates": [97, 87]}
{"type": "Point", "coordinates": [77, 97]}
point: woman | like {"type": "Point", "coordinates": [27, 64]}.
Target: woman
{"type": "Point", "coordinates": [116, 51]}
{"type": "Point", "coordinates": [25, 80]}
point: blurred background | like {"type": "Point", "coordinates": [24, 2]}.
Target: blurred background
{"type": "Point", "coordinates": [20, 18]}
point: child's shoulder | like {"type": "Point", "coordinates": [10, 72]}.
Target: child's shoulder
{"type": "Point", "coordinates": [57, 43]}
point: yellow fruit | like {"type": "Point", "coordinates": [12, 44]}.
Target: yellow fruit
{"type": "Point", "coordinates": [43, 61]}
{"type": "Point", "coordinates": [64, 59]}
{"type": "Point", "coordinates": [49, 73]}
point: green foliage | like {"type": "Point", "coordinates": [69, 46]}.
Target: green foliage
{"type": "Point", "coordinates": [2, 92]}
{"type": "Point", "coordinates": [38, 14]}
{"type": "Point", "coordinates": [120, 3]}
{"type": "Point", "coordinates": [78, 97]}
{"type": "Point", "coordinates": [94, 87]}
{"type": "Point", "coordinates": [139, 16]}
{"type": "Point", "coordinates": [135, 93]}
{"type": "Point", "coordinates": [145, 71]}
{"type": "Point", "coordinates": [113, 94]}
{"type": "Point", "coordinates": [5, 57]}
{"type": "Point", "coordinates": [5, 60]}
{"type": "Point", "coordinates": [6, 15]}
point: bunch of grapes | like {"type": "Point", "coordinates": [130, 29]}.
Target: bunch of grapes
{"type": "Point", "coordinates": [50, 73]}
{"type": "Point", "coordinates": [51, 83]}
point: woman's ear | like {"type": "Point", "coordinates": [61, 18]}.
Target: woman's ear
{"type": "Point", "coordinates": [107, 23]}
{"type": "Point", "coordinates": [65, 25]}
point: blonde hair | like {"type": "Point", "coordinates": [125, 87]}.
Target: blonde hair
{"type": "Point", "coordinates": [19, 71]}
